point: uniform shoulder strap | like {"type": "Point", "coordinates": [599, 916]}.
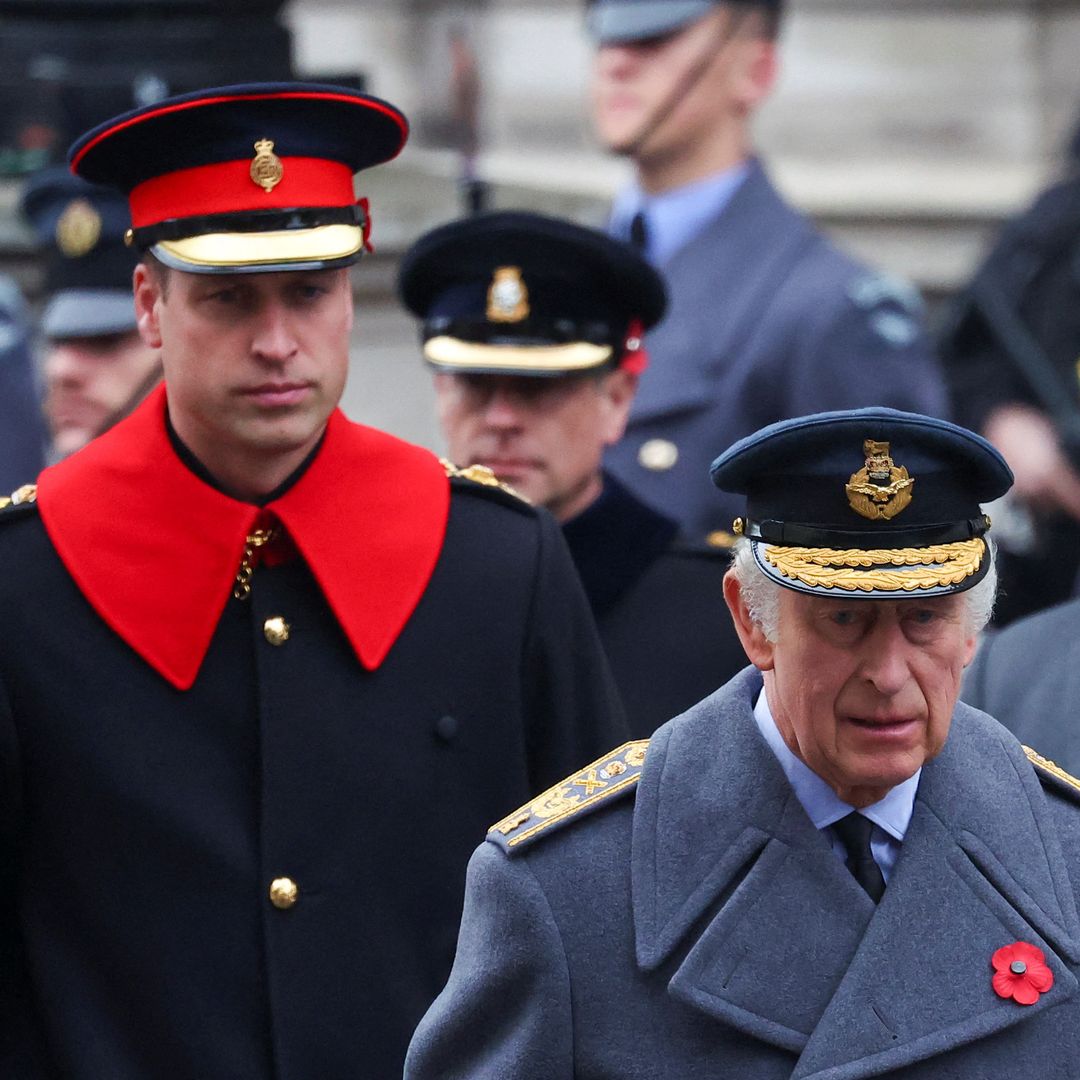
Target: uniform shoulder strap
{"type": "Point", "coordinates": [19, 502]}
{"type": "Point", "coordinates": [1053, 775]}
{"type": "Point", "coordinates": [610, 777]}
{"type": "Point", "coordinates": [479, 479]}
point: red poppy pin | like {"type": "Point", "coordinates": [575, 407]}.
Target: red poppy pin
{"type": "Point", "coordinates": [1020, 973]}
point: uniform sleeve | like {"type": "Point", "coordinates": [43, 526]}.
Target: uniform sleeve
{"type": "Point", "coordinates": [870, 350]}
{"type": "Point", "coordinates": [505, 1011]}
{"type": "Point", "coordinates": [572, 709]}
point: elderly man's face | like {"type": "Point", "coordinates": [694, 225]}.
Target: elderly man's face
{"type": "Point", "coordinates": [863, 690]}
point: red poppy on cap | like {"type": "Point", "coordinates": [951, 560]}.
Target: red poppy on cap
{"type": "Point", "coordinates": [1020, 973]}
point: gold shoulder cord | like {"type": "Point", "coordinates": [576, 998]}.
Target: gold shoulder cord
{"type": "Point", "coordinates": [1051, 767]}
{"type": "Point", "coordinates": [259, 538]}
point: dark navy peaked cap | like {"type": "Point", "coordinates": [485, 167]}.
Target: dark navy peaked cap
{"type": "Point", "coordinates": [525, 294]}
{"type": "Point", "coordinates": [243, 178]}
{"type": "Point", "coordinates": [88, 267]}
{"type": "Point", "coordinates": [613, 21]}
{"type": "Point", "coordinates": [868, 502]}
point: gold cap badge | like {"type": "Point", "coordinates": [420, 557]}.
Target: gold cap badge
{"type": "Point", "coordinates": [267, 168]}
{"type": "Point", "coordinates": [880, 490]}
{"type": "Point", "coordinates": [507, 298]}
{"type": "Point", "coordinates": [78, 229]}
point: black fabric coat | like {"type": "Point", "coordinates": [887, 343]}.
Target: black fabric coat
{"type": "Point", "coordinates": [141, 825]}
{"type": "Point", "coordinates": [1014, 330]}
{"type": "Point", "coordinates": [659, 605]}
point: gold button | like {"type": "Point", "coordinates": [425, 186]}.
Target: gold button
{"type": "Point", "coordinates": [276, 630]}
{"type": "Point", "coordinates": [658, 455]}
{"type": "Point", "coordinates": [283, 893]}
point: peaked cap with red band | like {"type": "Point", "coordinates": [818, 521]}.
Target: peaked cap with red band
{"type": "Point", "coordinates": [518, 293]}
{"type": "Point", "coordinates": [368, 517]}
{"type": "Point", "coordinates": [246, 178]}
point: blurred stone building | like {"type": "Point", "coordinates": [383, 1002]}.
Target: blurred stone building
{"type": "Point", "coordinates": [908, 128]}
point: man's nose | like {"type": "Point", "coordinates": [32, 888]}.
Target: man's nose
{"type": "Point", "coordinates": [274, 339]}
{"type": "Point", "coordinates": [886, 661]}
{"type": "Point", "coordinates": [503, 409]}
{"type": "Point", "coordinates": [617, 60]}
{"type": "Point", "coordinates": [64, 364]}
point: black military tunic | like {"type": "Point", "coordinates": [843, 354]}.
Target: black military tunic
{"type": "Point", "coordinates": [259, 875]}
{"type": "Point", "coordinates": [659, 604]}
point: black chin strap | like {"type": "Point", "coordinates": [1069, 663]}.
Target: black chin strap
{"type": "Point", "coordinates": [726, 31]}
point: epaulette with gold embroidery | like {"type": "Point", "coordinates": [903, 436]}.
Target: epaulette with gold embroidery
{"type": "Point", "coordinates": [613, 776]}
{"type": "Point", "coordinates": [481, 475]}
{"type": "Point", "coordinates": [1062, 782]}
{"type": "Point", "coordinates": [24, 498]}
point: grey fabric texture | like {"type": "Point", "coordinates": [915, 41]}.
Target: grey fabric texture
{"type": "Point", "coordinates": [704, 929]}
{"type": "Point", "coordinates": [88, 313]}
{"type": "Point", "coordinates": [608, 21]}
{"type": "Point", "coordinates": [767, 320]}
{"type": "Point", "coordinates": [1028, 676]}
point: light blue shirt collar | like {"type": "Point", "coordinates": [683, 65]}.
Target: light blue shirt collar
{"type": "Point", "coordinates": [892, 814]}
{"type": "Point", "coordinates": [675, 217]}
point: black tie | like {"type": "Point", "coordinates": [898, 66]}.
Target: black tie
{"type": "Point", "coordinates": [854, 832]}
{"type": "Point", "coordinates": [639, 232]}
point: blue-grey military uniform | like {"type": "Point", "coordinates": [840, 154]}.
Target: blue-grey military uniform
{"type": "Point", "coordinates": [22, 426]}
{"type": "Point", "coordinates": [1028, 676]}
{"type": "Point", "coordinates": [696, 924]}
{"type": "Point", "coordinates": [766, 320]}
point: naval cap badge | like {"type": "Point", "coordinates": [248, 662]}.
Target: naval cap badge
{"type": "Point", "coordinates": [267, 168]}
{"type": "Point", "coordinates": [880, 489]}
{"type": "Point", "coordinates": [78, 229]}
{"type": "Point", "coordinates": [507, 298]}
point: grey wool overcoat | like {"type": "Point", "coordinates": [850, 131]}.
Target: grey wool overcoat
{"type": "Point", "coordinates": [697, 925]}
{"type": "Point", "coordinates": [1028, 676]}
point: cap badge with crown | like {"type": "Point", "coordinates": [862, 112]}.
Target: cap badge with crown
{"type": "Point", "coordinates": [880, 490]}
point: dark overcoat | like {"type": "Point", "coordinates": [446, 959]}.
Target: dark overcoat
{"type": "Point", "coordinates": [1028, 676]}
{"type": "Point", "coordinates": [362, 757]}
{"type": "Point", "coordinates": [659, 604]}
{"type": "Point", "coordinates": [766, 320]}
{"type": "Point", "coordinates": [705, 929]}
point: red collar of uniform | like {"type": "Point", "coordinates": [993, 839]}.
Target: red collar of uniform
{"type": "Point", "coordinates": [155, 550]}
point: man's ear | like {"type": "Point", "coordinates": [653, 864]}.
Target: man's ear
{"type": "Point", "coordinates": [756, 73]}
{"type": "Point", "coordinates": [148, 295]}
{"type": "Point", "coordinates": [619, 387]}
{"type": "Point", "coordinates": [758, 648]}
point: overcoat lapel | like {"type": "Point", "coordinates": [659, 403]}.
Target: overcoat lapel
{"type": "Point", "coordinates": [980, 868]}
{"type": "Point", "coordinates": [734, 850]}
{"type": "Point", "coordinates": [721, 283]}
{"type": "Point", "coordinates": [762, 928]}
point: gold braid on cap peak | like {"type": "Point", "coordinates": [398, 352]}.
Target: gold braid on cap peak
{"type": "Point", "coordinates": [933, 567]}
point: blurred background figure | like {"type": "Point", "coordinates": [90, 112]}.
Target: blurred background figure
{"type": "Point", "coordinates": [1012, 353]}
{"type": "Point", "coordinates": [1028, 677]}
{"type": "Point", "coordinates": [22, 431]}
{"type": "Point", "coordinates": [95, 364]}
{"type": "Point", "coordinates": [767, 319]}
{"type": "Point", "coordinates": [534, 326]}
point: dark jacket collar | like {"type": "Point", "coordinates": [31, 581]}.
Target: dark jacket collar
{"type": "Point", "coordinates": [155, 549]}
{"type": "Point", "coordinates": [614, 541]}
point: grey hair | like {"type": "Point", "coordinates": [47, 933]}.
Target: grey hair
{"type": "Point", "coordinates": [762, 595]}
